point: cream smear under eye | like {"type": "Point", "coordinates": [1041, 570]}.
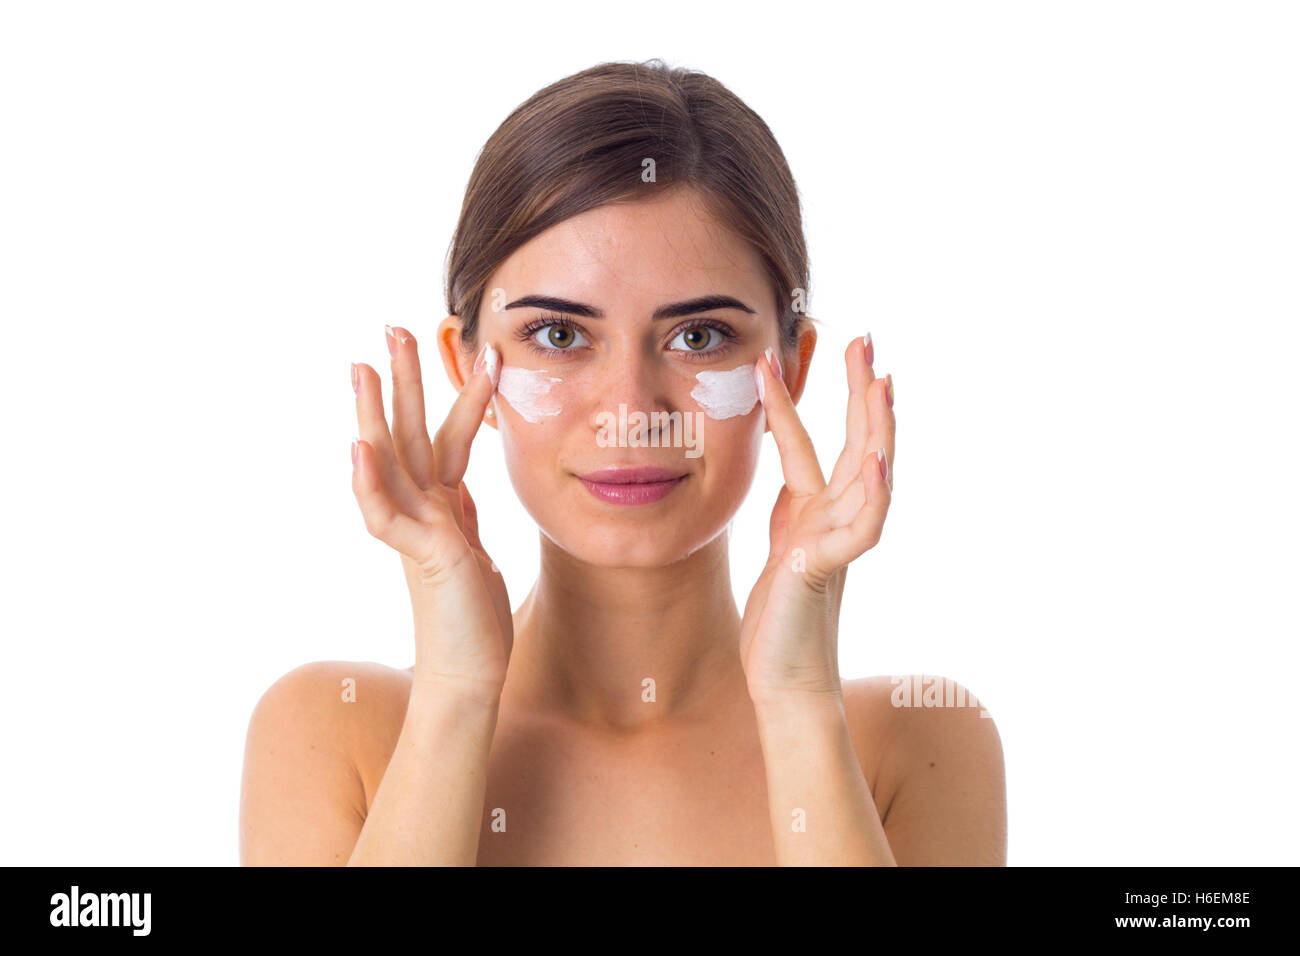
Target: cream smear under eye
{"type": "Point", "coordinates": [527, 391]}
{"type": "Point", "coordinates": [726, 394]}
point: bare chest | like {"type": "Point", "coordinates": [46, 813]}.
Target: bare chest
{"type": "Point", "coordinates": [689, 799]}
{"type": "Point", "coordinates": [554, 797]}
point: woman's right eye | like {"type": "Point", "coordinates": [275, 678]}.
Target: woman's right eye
{"type": "Point", "coordinates": [558, 337]}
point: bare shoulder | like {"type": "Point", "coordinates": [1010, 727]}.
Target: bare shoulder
{"type": "Point", "coordinates": [941, 776]}
{"type": "Point", "coordinates": [345, 699]}
{"type": "Point", "coordinates": [307, 760]}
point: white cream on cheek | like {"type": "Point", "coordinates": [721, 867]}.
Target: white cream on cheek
{"type": "Point", "coordinates": [528, 392]}
{"type": "Point", "coordinates": [721, 394]}
{"type": "Point", "coordinates": [726, 394]}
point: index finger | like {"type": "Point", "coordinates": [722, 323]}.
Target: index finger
{"type": "Point", "coordinates": [803, 473]}
{"type": "Point", "coordinates": [451, 444]}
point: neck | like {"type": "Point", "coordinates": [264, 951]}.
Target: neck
{"type": "Point", "coordinates": [587, 637]}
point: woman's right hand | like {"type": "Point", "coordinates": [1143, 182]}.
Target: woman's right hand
{"type": "Point", "coordinates": [413, 499]}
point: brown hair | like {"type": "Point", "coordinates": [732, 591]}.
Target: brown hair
{"type": "Point", "coordinates": [580, 143]}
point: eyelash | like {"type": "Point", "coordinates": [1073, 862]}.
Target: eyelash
{"type": "Point", "coordinates": [729, 336]}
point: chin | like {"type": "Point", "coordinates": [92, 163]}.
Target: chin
{"type": "Point", "coordinates": [652, 536]}
{"type": "Point", "coordinates": [621, 547]}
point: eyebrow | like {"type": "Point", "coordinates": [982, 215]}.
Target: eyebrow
{"type": "Point", "coordinates": [675, 310]}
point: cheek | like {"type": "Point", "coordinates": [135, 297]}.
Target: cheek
{"type": "Point", "coordinates": [726, 395]}
{"type": "Point", "coordinates": [533, 410]}
{"type": "Point", "coordinates": [530, 413]}
{"type": "Point", "coordinates": [731, 450]}
{"type": "Point", "coordinates": [535, 395]}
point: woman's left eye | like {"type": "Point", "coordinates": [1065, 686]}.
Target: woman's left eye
{"type": "Point", "coordinates": [558, 337]}
{"type": "Point", "coordinates": [697, 338]}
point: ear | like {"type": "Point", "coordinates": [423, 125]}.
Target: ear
{"type": "Point", "coordinates": [796, 376]}
{"type": "Point", "coordinates": [804, 348]}
{"type": "Point", "coordinates": [459, 367]}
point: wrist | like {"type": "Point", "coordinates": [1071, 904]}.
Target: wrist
{"type": "Point", "coordinates": [441, 691]}
{"type": "Point", "coordinates": [787, 701]}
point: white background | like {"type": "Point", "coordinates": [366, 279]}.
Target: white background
{"type": "Point", "coordinates": [1071, 228]}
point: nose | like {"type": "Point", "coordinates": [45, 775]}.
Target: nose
{"type": "Point", "coordinates": [627, 375]}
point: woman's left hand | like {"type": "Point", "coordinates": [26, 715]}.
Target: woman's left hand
{"type": "Point", "coordinates": [789, 633]}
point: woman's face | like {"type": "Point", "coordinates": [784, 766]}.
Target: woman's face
{"type": "Point", "coordinates": [628, 342]}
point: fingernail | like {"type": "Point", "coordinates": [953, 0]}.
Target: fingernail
{"type": "Point", "coordinates": [871, 349]}
{"type": "Point", "coordinates": [776, 362]}
{"type": "Point", "coordinates": [488, 358]}
{"type": "Point", "coordinates": [356, 380]}
{"type": "Point", "coordinates": [884, 465]}
{"type": "Point", "coordinates": [392, 340]}
{"type": "Point", "coordinates": [354, 453]}
{"type": "Point", "coordinates": [889, 389]}
{"type": "Point", "coordinates": [758, 382]}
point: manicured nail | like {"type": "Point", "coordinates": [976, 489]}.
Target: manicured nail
{"type": "Point", "coordinates": [354, 453]}
{"type": "Point", "coordinates": [356, 380]}
{"type": "Point", "coordinates": [871, 349]}
{"type": "Point", "coordinates": [776, 362]}
{"type": "Point", "coordinates": [889, 390]}
{"type": "Point", "coordinates": [489, 359]}
{"type": "Point", "coordinates": [396, 337]}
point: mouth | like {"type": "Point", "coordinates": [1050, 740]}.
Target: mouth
{"type": "Point", "coordinates": [632, 486]}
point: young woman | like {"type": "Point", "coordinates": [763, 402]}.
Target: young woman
{"type": "Point", "coordinates": [630, 242]}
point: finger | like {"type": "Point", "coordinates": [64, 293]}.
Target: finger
{"type": "Point", "coordinates": [385, 518]}
{"type": "Point", "coordinates": [880, 402]}
{"type": "Point", "coordinates": [470, 517]}
{"type": "Point", "coordinates": [844, 509]}
{"type": "Point", "coordinates": [374, 430]}
{"type": "Point", "coordinates": [857, 426]}
{"type": "Point", "coordinates": [451, 445]}
{"type": "Point", "coordinates": [799, 463]}
{"type": "Point", "coordinates": [411, 444]}
{"type": "Point", "coordinates": [837, 548]}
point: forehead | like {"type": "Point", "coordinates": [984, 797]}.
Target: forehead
{"type": "Point", "coordinates": [643, 252]}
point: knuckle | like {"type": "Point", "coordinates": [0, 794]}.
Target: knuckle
{"type": "Point", "coordinates": [409, 376]}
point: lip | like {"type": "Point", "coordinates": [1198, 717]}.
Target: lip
{"type": "Point", "coordinates": [632, 486]}
{"type": "Point", "coordinates": [642, 475]}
